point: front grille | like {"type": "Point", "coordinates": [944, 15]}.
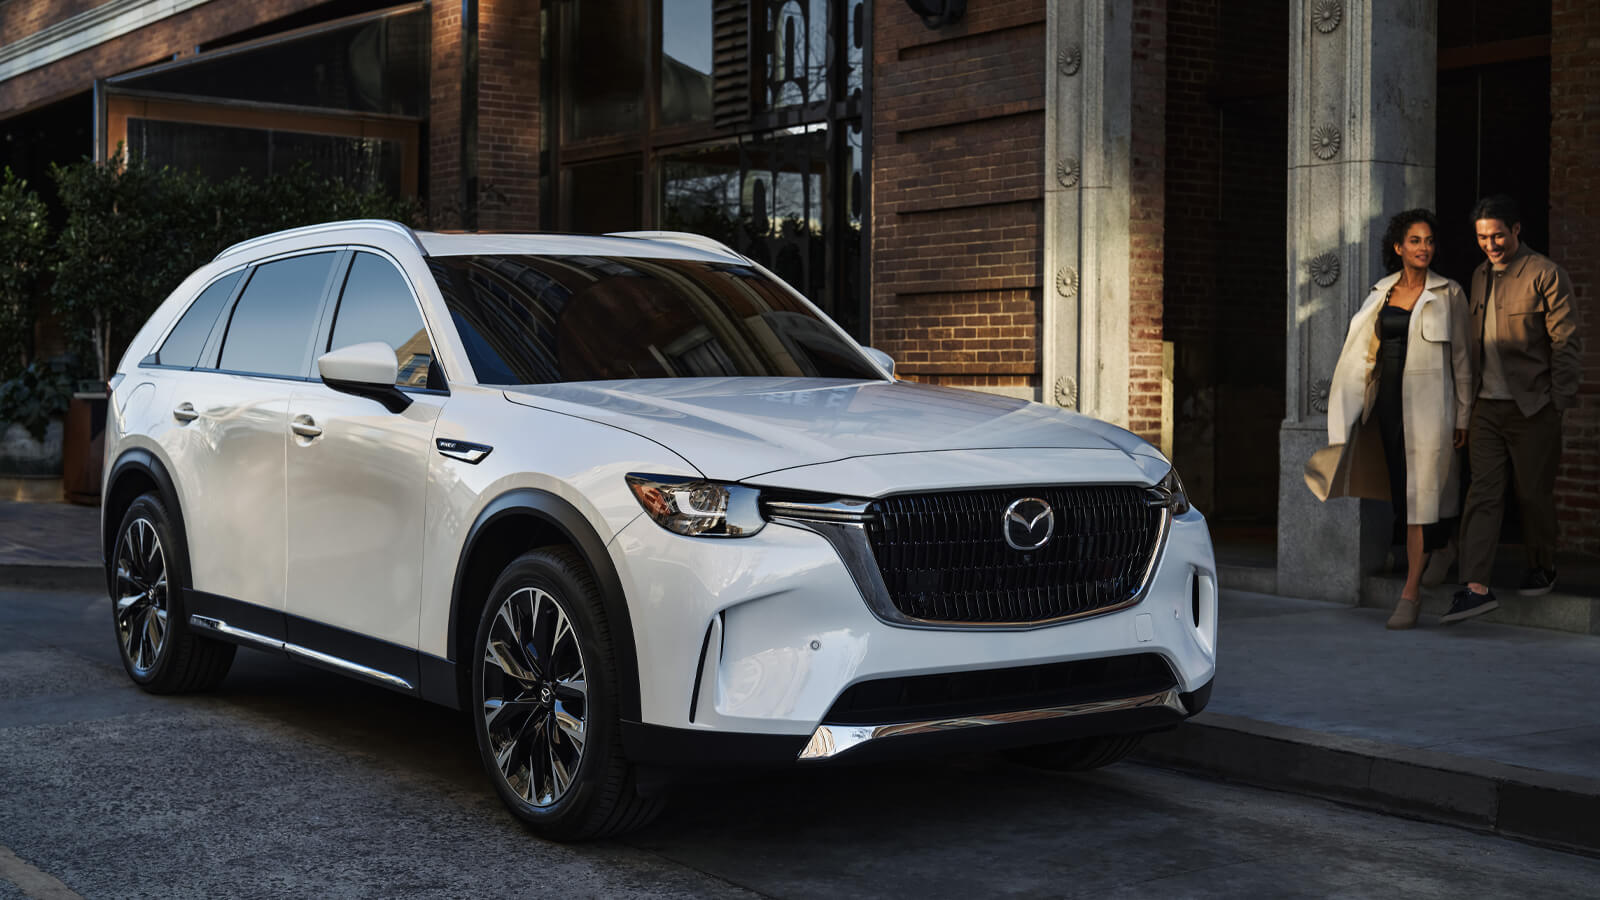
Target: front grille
{"type": "Point", "coordinates": [989, 691]}
{"type": "Point", "coordinates": [944, 557]}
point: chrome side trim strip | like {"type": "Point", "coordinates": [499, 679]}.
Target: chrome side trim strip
{"type": "Point", "coordinates": [829, 511]}
{"type": "Point", "coordinates": [206, 623]}
{"type": "Point", "coordinates": [828, 741]}
{"type": "Point", "coordinates": [345, 665]}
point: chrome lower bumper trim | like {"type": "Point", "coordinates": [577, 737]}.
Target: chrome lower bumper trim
{"type": "Point", "coordinates": [206, 623]}
{"type": "Point", "coordinates": [829, 741]}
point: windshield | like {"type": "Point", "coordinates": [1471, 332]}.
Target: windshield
{"type": "Point", "coordinates": [544, 319]}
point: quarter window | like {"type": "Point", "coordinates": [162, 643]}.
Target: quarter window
{"type": "Point", "coordinates": [377, 305]}
{"type": "Point", "coordinates": [274, 321]}
{"type": "Point", "coordinates": [188, 337]}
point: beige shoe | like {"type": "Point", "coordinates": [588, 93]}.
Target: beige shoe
{"type": "Point", "coordinates": [1405, 614]}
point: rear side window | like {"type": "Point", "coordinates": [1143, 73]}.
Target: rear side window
{"type": "Point", "coordinates": [188, 338]}
{"type": "Point", "coordinates": [275, 319]}
{"type": "Point", "coordinates": [377, 305]}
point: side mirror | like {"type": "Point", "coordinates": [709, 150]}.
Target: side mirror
{"type": "Point", "coordinates": [365, 370]}
{"type": "Point", "coordinates": [884, 360]}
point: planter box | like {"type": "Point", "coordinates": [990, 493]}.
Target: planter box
{"type": "Point", "coordinates": [83, 448]}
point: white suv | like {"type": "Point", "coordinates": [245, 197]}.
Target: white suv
{"type": "Point", "coordinates": [637, 506]}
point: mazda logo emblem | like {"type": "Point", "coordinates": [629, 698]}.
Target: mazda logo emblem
{"type": "Point", "coordinates": [1029, 523]}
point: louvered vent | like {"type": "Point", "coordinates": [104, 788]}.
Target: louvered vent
{"type": "Point", "coordinates": [731, 63]}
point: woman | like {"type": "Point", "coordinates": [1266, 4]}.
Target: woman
{"type": "Point", "coordinates": [1402, 384]}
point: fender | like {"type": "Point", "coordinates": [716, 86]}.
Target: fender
{"type": "Point", "coordinates": [138, 459]}
{"type": "Point", "coordinates": [565, 518]}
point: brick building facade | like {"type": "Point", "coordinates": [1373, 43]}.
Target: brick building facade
{"type": "Point", "coordinates": [900, 174]}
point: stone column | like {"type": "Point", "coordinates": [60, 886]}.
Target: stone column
{"type": "Point", "coordinates": [1362, 84]}
{"type": "Point", "coordinates": [1088, 115]}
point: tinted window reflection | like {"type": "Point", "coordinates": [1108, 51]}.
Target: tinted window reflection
{"type": "Point", "coordinates": [686, 90]}
{"type": "Point", "coordinates": [604, 70]}
{"type": "Point", "coordinates": [188, 338]}
{"type": "Point", "coordinates": [273, 322]}
{"type": "Point", "coordinates": [537, 320]}
{"type": "Point", "coordinates": [377, 306]}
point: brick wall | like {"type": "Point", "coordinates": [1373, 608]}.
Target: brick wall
{"type": "Point", "coordinates": [957, 187]}
{"type": "Point", "coordinates": [1575, 244]}
{"type": "Point", "coordinates": [20, 18]}
{"type": "Point", "coordinates": [1146, 220]}
{"type": "Point", "coordinates": [508, 116]}
{"type": "Point", "coordinates": [150, 44]}
{"type": "Point", "coordinates": [444, 118]}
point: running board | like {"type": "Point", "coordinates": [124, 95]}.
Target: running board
{"type": "Point", "coordinates": [829, 741]}
{"type": "Point", "coordinates": [297, 652]}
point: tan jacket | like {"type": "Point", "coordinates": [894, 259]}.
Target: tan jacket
{"type": "Point", "coordinates": [1434, 396]}
{"type": "Point", "coordinates": [1537, 326]}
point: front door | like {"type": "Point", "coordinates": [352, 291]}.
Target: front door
{"type": "Point", "coordinates": [357, 477]}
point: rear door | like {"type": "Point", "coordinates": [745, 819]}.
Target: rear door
{"type": "Point", "coordinates": [357, 477]}
{"type": "Point", "coordinates": [230, 427]}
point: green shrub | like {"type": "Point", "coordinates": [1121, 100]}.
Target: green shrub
{"type": "Point", "coordinates": [24, 245]}
{"type": "Point", "coordinates": [134, 231]}
{"type": "Point", "coordinates": [36, 395]}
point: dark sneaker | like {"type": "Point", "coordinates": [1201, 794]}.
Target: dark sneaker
{"type": "Point", "coordinates": [1537, 582]}
{"type": "Point", "coordinates": [1468, 604]}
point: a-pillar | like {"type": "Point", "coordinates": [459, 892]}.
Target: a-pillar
{"type": "Point", "coordinates": [1362, 77]}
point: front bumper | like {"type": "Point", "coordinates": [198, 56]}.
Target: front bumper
{"type": "Point", "coordinates": [758, 637]}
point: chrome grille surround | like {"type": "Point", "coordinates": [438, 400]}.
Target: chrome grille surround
{"type": "Point", "coordinates": [855, 529]}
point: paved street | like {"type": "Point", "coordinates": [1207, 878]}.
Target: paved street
{"type": "Point", "coordinates": [293, 782]}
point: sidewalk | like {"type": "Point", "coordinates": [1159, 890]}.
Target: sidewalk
{"type": "Point", "coordinates": [50, 545]}
{"type": "Point", "coordinates": [1494, 727]}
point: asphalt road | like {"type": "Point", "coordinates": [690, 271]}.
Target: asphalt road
{"type": "Point", "coordinates": [290, 781]}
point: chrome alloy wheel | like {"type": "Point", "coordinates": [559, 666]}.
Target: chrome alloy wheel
{"type": "Point", "coordinates": [535, 696]}
{"type": "Point", "coordinates": [141, 605]}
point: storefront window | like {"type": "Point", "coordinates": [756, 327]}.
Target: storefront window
{"type": "Point", "coordinates": [605, 196]}
{"type": "Point", "coordinates": [603, 71]}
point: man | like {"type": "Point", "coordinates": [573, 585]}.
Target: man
{"type": "Point", "coordinates": [1528, 368]}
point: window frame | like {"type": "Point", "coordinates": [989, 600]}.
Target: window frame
{"type": "Point", "coordinates": [211, 356]}
{"type": "Point", "coordinates": [335, 297]}
{"type": "Point", "coordinates": [149, 361]}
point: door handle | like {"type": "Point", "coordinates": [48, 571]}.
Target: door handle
{"type": "Point", "coordinates": [305, 426]}
{"type": "Point", "coordinates": [184, 412]}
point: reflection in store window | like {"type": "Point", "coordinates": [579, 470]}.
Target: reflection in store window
{"type": "Point", "coordinates": [797, 52]}
{"type": "Point", "coordinates": [686, 86]}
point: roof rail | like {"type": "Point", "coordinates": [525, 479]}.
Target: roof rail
{"type": "Point", "coordinates": [396, 227]}
{"type": "Point", "coordinates": [686, 238]}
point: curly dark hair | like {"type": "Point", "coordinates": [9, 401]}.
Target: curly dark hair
{"type": "Point", "coordinates": [1396, 234]}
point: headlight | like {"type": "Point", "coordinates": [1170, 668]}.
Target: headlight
{"type": "Point", "coordinates": [1171, 487]}
{"type": "Point", "coordinates": [698, 508]}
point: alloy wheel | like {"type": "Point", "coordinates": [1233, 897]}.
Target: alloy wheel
{"type": "Point", "coordinates": [535, 696]}
{"type": "Point", "coordinates": [141, 604]}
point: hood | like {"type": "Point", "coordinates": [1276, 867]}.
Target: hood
{"type": "Point", "coordinates": [733, 429]}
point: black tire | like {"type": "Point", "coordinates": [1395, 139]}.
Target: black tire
{"type": "Point", "coordinates": [1079, 755]}
{"type": "Point", "coordinates": [148, 571]}
{"type": "Point", "coordinates": [546, 707]}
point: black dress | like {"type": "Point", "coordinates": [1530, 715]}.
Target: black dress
{"type": "Point", "coordinates": [1394, 326]}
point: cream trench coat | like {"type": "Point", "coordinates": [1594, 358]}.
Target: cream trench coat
{"type": "Point", "coordinates": [1435, 401]}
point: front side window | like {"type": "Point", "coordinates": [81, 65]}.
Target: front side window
{"type": "Point", "coordinates": [275, 320]}
{"type": "Point", "coordinates": [377, 305]}
{"type": "Point", "coordinates": [544, 319]}
{"type": "Point", "coordinates": [188, 338]}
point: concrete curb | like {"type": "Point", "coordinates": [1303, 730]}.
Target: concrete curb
{"type": "Point", "coordinates": [1561, 811]}
{"type": "Point", "coordinates": [55, 576]}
